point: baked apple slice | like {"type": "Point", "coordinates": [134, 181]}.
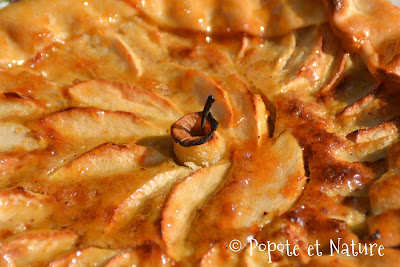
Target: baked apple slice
{"type": "Point", "coordinates": [383, 193]}
{"type": "Point", "coordinates": [14, 136]}
{"type": "Point", "coordinates": [249, 115]}
{"type": "Point", "coordinates": [197, 84]}
{"type": "Point", "coordinates": [269, 191]}
{"type": "Point", "coordinates": [116, 96]}
{"type": "Point", "coordinates": [21, 210]}
{"type": "Point", "coordinates": [28, 95]}
{"type": "Point", "coordinates": [158, 185]}
{"type": "Point", "coordinates": [37, 248]}
{"type": "Point", "coordinates": [372, 144]}
{"type": "Point", "coordinates": [234, 16]}
{"type": "Point", "coordinates": [367, 27]}
{"type": "Point", "coordinates": [91, 126]}
{"type": "Point", "coordinates": [15, 106]}
{"type": "Point", "coordinates": [108, 159]}
{"type": "Point", "coordinates": [91, 256]}
{"type": "Point", "coordinates": [220, 212]}
{"type": "Point", "coordinates": [183, 203]}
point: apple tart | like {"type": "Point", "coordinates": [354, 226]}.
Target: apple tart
{"type": "Point", "coordinates": [110, 156]}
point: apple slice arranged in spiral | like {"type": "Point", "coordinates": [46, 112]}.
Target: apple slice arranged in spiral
{"type": "Point", "coordinates": [106, 160]}
{"type": "Point", "coordinates": [234, 16]}
{"type": "Point", "coordinates": [123, 97]}
{"type": "Point", "coordinates": [37, 248]}
{"type": "Point", "coordinates": [385, 204]}
{"type": "Point", "coordinates": [160, 184]}
{"type": "Point", "coordinates": [219, 204]}
{"type": "Point", "coordinates": [242, 115]}
{"type": "Point", "coordinates": [383, 193]}
{"type": "Point", "coordinates": [184, 201]}
{"type": "Point", "coordinates": [92, 127]}
{"type": "Point", "coordinates": [91, 256]}
{"type": "Point", "coordinates": [367, 27]}
{"type": "Point", "coordinates": [14, 136]}
{"type": "Point", "coordinates": [21, 209]}
{"type": "Point", "coordinates": [249, 114]}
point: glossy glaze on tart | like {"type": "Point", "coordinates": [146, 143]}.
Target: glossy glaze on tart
{"type": "Point", "coordinates": [308, 105]}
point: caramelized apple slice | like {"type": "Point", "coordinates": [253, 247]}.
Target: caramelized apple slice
{"type": "Point", "coordinates": [17, 137]}
{"type": "Point", "coordinates": [17, 166]}
{"type": "Point", "coordinates": [17, 37]}
{"type": "Point", "coordinates": [159, 184]}
{"type": "Point", "coordinates": [69, 68]}
{"type": "Point", "coordinates": [130, 56]}
{"type": "Point", "coordinates": [85, 257]}
{"type": "Point", "coordinates": [303, 61]}
{"type": "Point", "coordinates": [122, 97]}
{"type": "Point", "coordinates": [91, 126]}
{"type": "Point", "coordinates": [95, 55]}
{"type": "Point", "coordinates": [236, 108]}
{"type": "Point", "coordinates": [354, 116]}
{"type": "Point", "coordinates": [249, 113]}
{"type": "Point", "coordinates": [371, 144]}
{"type": "Point", "coordinates": [385, 204]}
{"type": "Point", "coordinates": [37, 248]}
{"type": "Point", "coordinates": [371, 110]}
{"type": "Point", "coordinates": [367, 27]}
{"type": "Point", "coordinates": [317, 64]}
{"type": "Point", "coordinates": [108, 159]}
{"type": "Point", "coordinates": [201, 87]}
{"type": "Point", "coordinates": [255, 59]}
{"type": "Point", "coordinates": [21, 210]}
{"type": "Point", "coordinates": [15, 106]}
{"type": "Point", "coordinates": [384, 192]}
{"type": "Point", "coordinates": [368, 135]}
{"type": "Point", "coordinates": [143, 256]}
{"type": "Point", "coordinates": [234, 16]}
{"type": "Point", "coordinates": [264, 182]}
{"type": "Point", "coordinates": [37, 94]}
{"type": "Point", "coordinates": [182, 205]}
{"type": "Point", "coordinates": [104, 63]}
{"type": "Point", "coordinates": [270, 178]}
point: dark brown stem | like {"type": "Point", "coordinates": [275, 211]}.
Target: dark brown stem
{"type": "Point", "coordinates": [184, 133]}
{"type": "Point", "coordinates": [206, 111]}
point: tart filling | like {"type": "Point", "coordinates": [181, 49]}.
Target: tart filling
{"type": "Point", "coordinates": [107, 160]}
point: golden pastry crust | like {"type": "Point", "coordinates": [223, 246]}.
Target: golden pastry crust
{"type": "Point", "coordinates": [308, 105]}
